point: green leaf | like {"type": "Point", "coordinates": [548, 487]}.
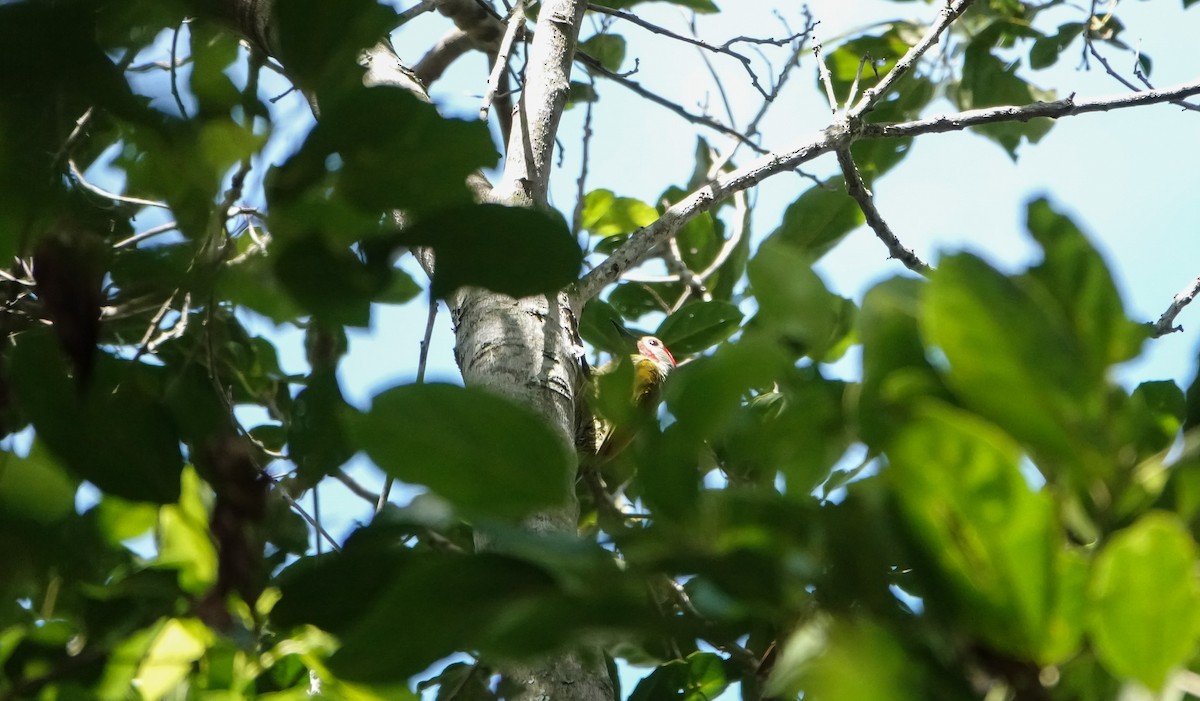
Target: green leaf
{"type": "Point", "coordinates": [1011, 358]}
{"type": "Point", "coordinates": [484, 454]}
{"type": "Point", "coordinates": [699, 326]}
{"type": "Point", "coordinates": [335, 285]}
{"type": "Point", "coordinates": [512, 250]}
{"type": "Point", "coordinates": [1144, 614]}
{"type": "Point", "coordinates": [995, 541]}
{"type": "Point", "coordinates": [794, 302]}
{"type": "Point", "coordinates": [1046, 50]}
{"type": "Point", "coordinates": [608, 49]}
{"type": "Point", "coordinates": [896, 370]}
{"type": "Point", "coordinates": [442, 602]}
{"type": "Point", "coordinates": [420, 168]}
{"type": "Point", "coordinates": [605, 214]}
{"type": "Point", "coordinates": [319, 42]}
{"type": "Point", "coordinates": [1080, 281]}
{"type": "Point", "coordinates": [825, 661]}
{"type": "Point", "coordinates": [819, 219]}
{"type": "Point", "coordinates": [184, 542]}
{"type": "Point", "coordinates": [988, 82]}
{"type": "Point", "coordinates": [596, 327]}
{"type": "Point", "coordinates": [89, 430]}
{"type": "Point", "coordinates": [35, 488]}
{"type": "Point", "coordinates": [700, 677]}
{"type": "Point", "coordinates": [317, 435]}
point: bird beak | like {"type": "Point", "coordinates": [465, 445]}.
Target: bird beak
{"type": "Point", "coordinates": [624, 332]}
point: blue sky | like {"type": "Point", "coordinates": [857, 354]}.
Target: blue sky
{"type": "Point", "coordinates": [1128, 177]}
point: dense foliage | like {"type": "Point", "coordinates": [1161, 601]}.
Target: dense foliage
{"type": "Point", "coordinates": [984, 512]}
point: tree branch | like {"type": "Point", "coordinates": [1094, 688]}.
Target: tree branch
{"type": "Point", "coordinates": [1165, 324]}
{"type": "Point", "coordinates": [1068, 107]}
{"type": "Point", "coordinates": [635, 249]}
{"type": "Point", "coordinates": [840, 134]}
{"type": "Point", "coordinates": [870, 97]}
{"type": "Point", "coordinates": [858, 190]}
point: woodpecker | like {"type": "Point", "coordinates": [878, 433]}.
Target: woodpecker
{"type": "Point", "coordinates": [613, 432]}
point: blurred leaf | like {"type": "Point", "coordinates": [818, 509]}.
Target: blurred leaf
{"type": "Point", "coordinates": [443, 602]}
{"type": "Point", "coordinates": [819, 219]}
{"type": "Point", "coordinates": [605, 214]}
{"type": "Point", "coordinates": [511, 250]}
{"type": "Point", "coordinates": [868, 58]}
{"type": "Point", "coordinates": [420, 168]}
{"type": "Point", "coordinates": [580, 92]}
{"type": "Point", "coordinates": [636, 299]}
{"type": "Point", "coordinates": [824, 662]}
{"type": "Point", "coordinates": [177, 645]}
{"type": "Point", "coordinates": [996, 542]}
{"type": "Point", "coordinates": [700, 677]}
{"type": "Point", "coordinates": [896, 370]}
{"type": "Point", "coordinates": [794, 302]}
{"type": "Point", "coordinates": [699, 326]}
{"type": "Point", "coordinates": [92, 434]}
{"type": "Point", "coordinates": [988, 82]}
{"type": "Point", "coordinates": [1046, 50]}
{"type": "Point", "coordinates": [317, 435]}
{"type": "Point", "coordinates": [335, 285]}
{"type": "Point", "coordinates": [1144, 614]}
{"type": "Point", "coordinates": [183, 536]}
{"type": "Point", "coordinates": [484, 454]}
{"type": "Point", "coordinates": [320, 42]}
{"type": "Point", "coordinates": [1077, 276]}
{"type": "Point", "coordinates": [596, 327]}
{"type": "Point", "coordinates": [35, 488]}
{"type": "Point", "coordinates": [1011, 358]}
{"type": "Point", "coordinates": [608, 49]}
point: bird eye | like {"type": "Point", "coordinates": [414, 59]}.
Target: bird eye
{"type": "Point", "coordinates": [653, 342]}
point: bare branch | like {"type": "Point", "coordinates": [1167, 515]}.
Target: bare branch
{"type": "Point", "coordinates": [1165, 324]}
{"type": "Point", "coordinates": [839, 135]}
{"type": "Point", "coordinates": [516, 22]}
{"type": "Point", "coordinates": [639, 245]}
{"type": "Point", "coordinates": [871, 96]}
{"type": "Point", "coordinates": [858, 190]}
{"type": "Point", "coordinates": [696, 41]}
{"type": "Point", "coordinates": [78, 174]}
{"type": "Point", "coordinates": [1057, 109]}
{"type": "Point", "coordinates": [422, 363]}
{"type": "Point", "coordinates": [709, 122]}
{"type": "Point", "coordinates": [449, 48]}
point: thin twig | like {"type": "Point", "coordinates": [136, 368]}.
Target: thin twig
{"type": "Point", "coordinates": [422, 363]}
{"type": "Point", "coordinates": [310, 520]}
{"type": "Point", "coordinates": [858, 190]}
{"type": "Point", "coordinates": [872, 95]}
{"type": "Point", "coordinates": [86, 184]}
{"type": "Point", "coordinates": [826, 78]}
{"type": "Point", "coordinates": [355, 488]}
{"type": "Point", "coordinates": [174, 81]}
{"type": "Point", "coordinates": [638, 89]}
{"type": "Point", "coordinates": [584, 158]}
{"type": "Point", "coordinates": [148, 233]}
{"type": "Point", "coordinates": [1057, 109]}
{"type": "Point", "coordinates": [515, 23]}
{"type": "Point", "coordinates": [1166, 322]}
{"type": "Point", "coordinates": [699, 43]}
{"type": "Point", "coordinates": [840, 134]}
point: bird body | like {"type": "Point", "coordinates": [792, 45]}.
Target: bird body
{"type": "Point", "coordinates": [615, 428]}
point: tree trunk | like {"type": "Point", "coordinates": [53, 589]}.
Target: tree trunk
{"type": "Point", "coordinates": [524, 349]}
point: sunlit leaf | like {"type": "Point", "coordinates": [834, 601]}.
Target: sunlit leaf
{"type": "Point", "coordinates": [486, 455]}
{"type": "Point", "coordinates": [1144, 618]}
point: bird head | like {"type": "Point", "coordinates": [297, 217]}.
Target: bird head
{"type": "Point", "coordinates": [652, 348]}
